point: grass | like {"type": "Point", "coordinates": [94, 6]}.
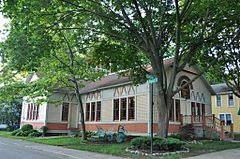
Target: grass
{"type": "Point", "coordinates": [119, 149]}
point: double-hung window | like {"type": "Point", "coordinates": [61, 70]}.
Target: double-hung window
{"type": "Point", "coordinates": [218, 100]}
{"type": "Point", "coordinates": [226, 118]}
{"type": "Point", "coordinates": [230, 100]}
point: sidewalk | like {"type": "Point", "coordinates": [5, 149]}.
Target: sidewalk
{"type": "Point", "coordinates": [60, 151]}
{"type": "Point", "coordinates": [226, 154]}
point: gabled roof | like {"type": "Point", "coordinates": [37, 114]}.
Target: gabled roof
{"type": "Point", "coordinates": [110, 80]}
{"type": "Point", "coordinates": [221, 88]}
{"type": "Point", "coordinates": [115, 80]}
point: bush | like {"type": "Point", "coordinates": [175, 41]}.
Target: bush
{"type": "Point", "coordinates": [25, 133]}
{"type": "Point", "coordinates": [13, 133]}
{"type": "Point", "coordinates": [44, 130]}
{"type": "Point", "coordinates": [176, 136]}
{"type": "Point", "coordinates": [166, 144]}
{"type": "Point", "coordinates": [88, 133]}
{"type": "Point", "coordinates": [237, 137]}
{"type": "Point", "coordinates": [187, 132]}
{"type": "Point", "coordinates": [27, 127]}
{"type": "Point", "coordinates": [34, 134]}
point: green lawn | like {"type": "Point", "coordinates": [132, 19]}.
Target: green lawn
{"type": "Point", "coordinates": [119, 149]}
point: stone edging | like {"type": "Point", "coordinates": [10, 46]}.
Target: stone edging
{"type": "Point", "coordinates": [157, 154]}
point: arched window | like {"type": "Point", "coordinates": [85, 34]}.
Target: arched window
{"type": "Point", "coordinates": [185, 92]}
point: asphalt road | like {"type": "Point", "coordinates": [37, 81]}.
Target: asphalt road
{"type": "Point", "coordinates": [19, 149]}
{"type": "Point", "coordinates": [9, 150]}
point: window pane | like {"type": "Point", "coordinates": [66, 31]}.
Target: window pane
{"type": "Point", "coordinates": [221, 117]}
{"type": "Point", "coordinates": [65, 108]}
{"type": "Point", "coordinates": [116, 109]}
{"type": "Point", "coordinates": [87, 111]}
{"type": "Point", "coordinates": [98, 115]}
{"type": "Point", "coordinates": [92, 111]}
{"type": "Point", "coordinates": [228, 119]}
{"type": "Point", "coordinates": [177, 104]}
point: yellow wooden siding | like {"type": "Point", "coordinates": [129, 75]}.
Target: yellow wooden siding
{"type": "Point", "coordinates": [226, 109]}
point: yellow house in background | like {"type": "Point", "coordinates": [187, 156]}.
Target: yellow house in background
{"type": "Point", "coordinates": [225, 106]}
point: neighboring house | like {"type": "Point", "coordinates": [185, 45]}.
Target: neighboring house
{"type": "Point", "coordinates": [114, 101]}
{"type": "Point", "coordinates": [225, 106]}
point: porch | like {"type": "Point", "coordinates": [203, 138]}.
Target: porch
{"type": "Point", "coordinates": [208, 125]}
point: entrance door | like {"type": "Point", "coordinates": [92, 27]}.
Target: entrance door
{"type": "Point", "coordinates": [73, 116]}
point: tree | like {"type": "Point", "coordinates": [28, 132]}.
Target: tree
{"type": "Point", "coordinates": [29, 50]}
{"type": "Point", "coordinates": [10, 112]}
{"type": "Point", "coordinates": [154, 28]}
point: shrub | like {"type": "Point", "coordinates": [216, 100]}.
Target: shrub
{"type": "Point", "coordinates": [141, 142]}
{"type": "Point", "coordinates": [176, 136]}
{"type": "Point", "coordinates": [27, 127]}
{"type": "Point", "coordinates": [34, 134]}
{"type": "Point", "coordinates": [44, 130]}
{"type": "Point", "coordinates": [88, 133]}
{"type": "Point", "coordinates": [13, 133]}
{"type": "Point", "coordinates": [166, 144]}
{"type": "Point", "coordinates": [187, 132]}
{"type": "Point", "coordinates": [237, 137]}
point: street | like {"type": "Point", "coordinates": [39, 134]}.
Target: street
{"type": "Point", "coordinates": [19, 149]}
{"type": "Point", "coordinates": [10, 150]}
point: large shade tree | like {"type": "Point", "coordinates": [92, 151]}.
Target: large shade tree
{"type": "Point", "coordinates": [154, 28]}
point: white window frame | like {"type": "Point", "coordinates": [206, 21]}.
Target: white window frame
{"type": "Point", "coordinates": [225, 117]}
{"type": "Point", "coordinates": [119, 99]}
{"type": "Point", "coordinates": [217, 100]}
{"type": "Point", "coordinates": [233, 100]}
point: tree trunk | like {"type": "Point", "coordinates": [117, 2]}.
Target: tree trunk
{"type": "Point", "coordinates": [84, 135]}
{"type": "Point", "coordinates": [164, 102]}
{"type": "Point", "coordinates": [162, 115]}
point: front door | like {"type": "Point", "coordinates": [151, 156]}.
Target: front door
{"type": "Point", "coordinates": [73, 120]}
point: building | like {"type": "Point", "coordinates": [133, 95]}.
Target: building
{"type": "Point", "coordinates": [112, 101]}
{"type": "Point", "coordinates": [225, 106]}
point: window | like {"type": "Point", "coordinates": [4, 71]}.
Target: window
{"type": "Point", "coordinates": [65, 108]}
{"type": "Point", "coordinates": [226, 119]}
{"type": "Point", "coordinates": [98, 113]}
{"type": "Point", "coordinates": [93, 111]}
{"type": "Point", "coordinates": [219, 100]}
{"type": "Point", "coordinates": [116, 109]}
{"type": "Point", "coordinates": [32, 112]}
{"type": "Point", "coordinates": [177, 104]}
{"type": "Point", "coordinates": [123, 108]}
{"type": "Point", "coordinates": [171, 113]}
{"type": "Point", "coordinates": [28, 112]}
{"type": "Point", "coordinates": [230, 100]}
{"type": "Point", "coordinates": [185, 93]}
{"type": "Point", "coordinates": [131, 108]}
{"type": "Point", "coordinates": [87, 111]}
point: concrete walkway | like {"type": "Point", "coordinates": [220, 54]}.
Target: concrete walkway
{"type": "Point", "coordinates": [59, 152]}
{"type": "Point", "coordinates": [226, 154]}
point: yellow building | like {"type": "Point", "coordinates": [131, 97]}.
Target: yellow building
{"type": "Point", "coordinates": [225, 106]}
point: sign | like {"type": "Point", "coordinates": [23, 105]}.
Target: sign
{"type": "Point", "coordinates": [151, 78]}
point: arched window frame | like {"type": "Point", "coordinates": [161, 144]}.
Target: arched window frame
{"type": "Point", "coordinates": [185, 92]}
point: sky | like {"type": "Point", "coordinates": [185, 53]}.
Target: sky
{"type": "Point", "coordinates": [3, 22]}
